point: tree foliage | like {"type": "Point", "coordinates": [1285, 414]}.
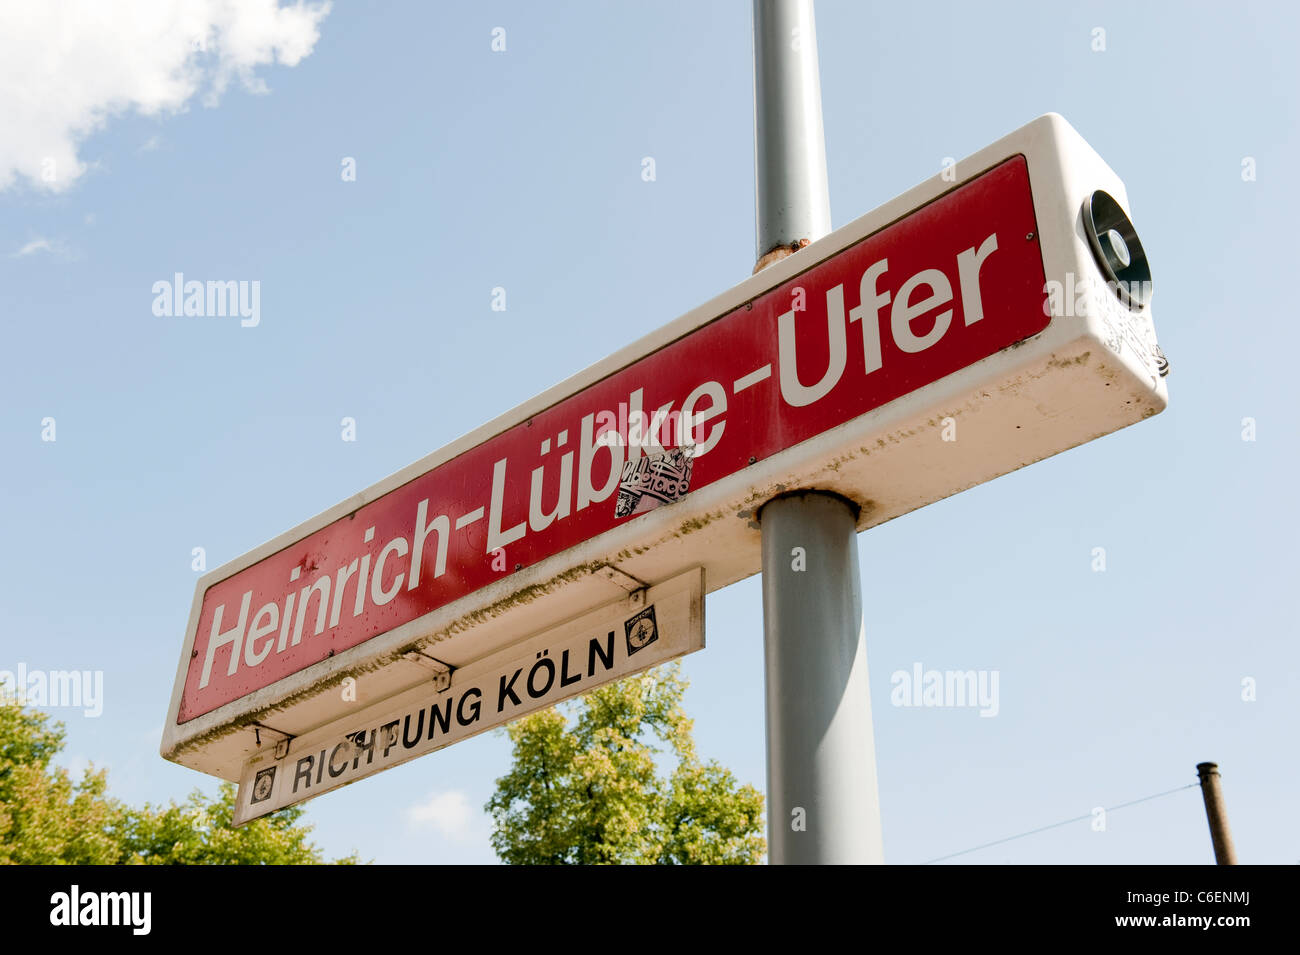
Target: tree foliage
{"type": "Point", "coordinates": [592, 793]}
{"type": "Point", "coordinates": [47, 818]}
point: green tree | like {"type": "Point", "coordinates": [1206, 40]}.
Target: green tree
{"type": "Point", "coordinates": [592, 793]}
{"type": "Point", "coordinates": [199, 832]}
{"type": "Point", "coordinates": [47, 818]}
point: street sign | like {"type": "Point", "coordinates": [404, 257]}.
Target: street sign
{"type": "Point", "coordinates": [641, 630]}
{"type": "Point", "coordinates": [959, 332]}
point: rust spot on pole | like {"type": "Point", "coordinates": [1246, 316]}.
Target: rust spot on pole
{"type": "Point", "coordinates": [779, 253]}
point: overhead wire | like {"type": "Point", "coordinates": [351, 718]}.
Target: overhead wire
{"type": "Point", "coordinates": [1057, 825]}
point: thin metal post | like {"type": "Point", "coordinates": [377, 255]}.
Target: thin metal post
{"type": "Point", "coordinates": [823, 805]}
{"type": "Point", "coordinates": [793, 199]}
{"type": "Point", "coordinates": [1224, 852]}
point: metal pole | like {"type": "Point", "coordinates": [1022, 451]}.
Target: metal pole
{"type": "Point", "coordinates": [822, 799]}
{"type": "Point", "coordinates": [1224, 852]}
{"type": "Point", "coordinates": [822, 802]}
{"type": "Point", "coordinates": [793, 199]}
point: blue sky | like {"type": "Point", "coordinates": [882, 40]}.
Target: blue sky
{"type": "Point", "coordinates": [521, 169]}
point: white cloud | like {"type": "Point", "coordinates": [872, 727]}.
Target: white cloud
{"type": "Point", "coordinates": [448, 812]}
{"type": "Point", "coordinates": [52, 246]}
{"type": "Point", "coordinates": [67, 67]}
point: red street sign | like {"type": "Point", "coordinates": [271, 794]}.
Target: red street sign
{"type": "Point", "coordinates": [958, 280]}
{"type": "Point", "coordinates": [976, 302]}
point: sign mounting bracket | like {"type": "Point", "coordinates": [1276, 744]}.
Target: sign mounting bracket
{"type": "Point", "coordinates": [441, 671]}
{"type": "Point", "coordinates": [281, 743]}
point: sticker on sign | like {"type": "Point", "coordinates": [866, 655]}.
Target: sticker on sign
{"type": "Point", "coordinates": [643, 630]}
{"type": "Point", "coordinates": [909, 355]}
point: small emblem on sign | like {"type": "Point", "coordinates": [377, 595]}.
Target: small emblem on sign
{"type": "Point", "coordinates": [642, 630]}
{"type": "Point", "coordinates": [263, 785]}
{"type": "Point", "coordinates": [660, 477]}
